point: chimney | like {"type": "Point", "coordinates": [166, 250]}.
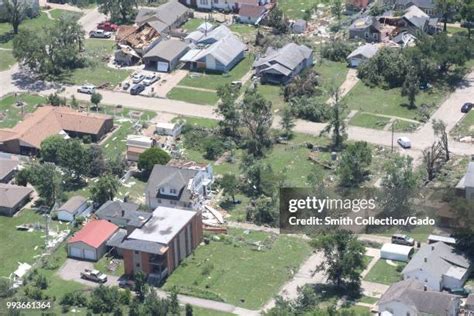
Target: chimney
{"type": "Point", "coordinates": [432, 248]}
{"type": "Point", "coordinates": [123, 213]}
{"type": "Point", "coordinates": [426, 259]}
{"type": "Point", "coordinates": [425, 288]}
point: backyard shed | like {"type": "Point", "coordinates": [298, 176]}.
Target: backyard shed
{"type": "Point", "coordinates": [75, 206]}
{"type": "Point", "coordinates": [396, 252]}
{"type": "Point", "coordinates": [90, 242]}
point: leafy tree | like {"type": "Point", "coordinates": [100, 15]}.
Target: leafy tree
{"type": "Point", "coordinates": [95, 99]}
{"type": "Point", "coordinates": [104, 298]}
{"type": "Point", "coordinates": [151, 157]}
{"type": "Point", "coordinates": [188, 310]}
{"type": "Point", "coordinates": [229, 125]}
{"type": "Point", "coordinates": [336, 50]}
{"type": "Point", "coordinates": [97, 164]}
{"type": "Point", "coordinates": [467, 14]}
{"type": "Point", "coordinates": [47, 181]}
{"type": "Point", "coordinates": [440, 130]}
{"type": "Point", "coordinates": [287, 122]}
{"type": "Point", "coordinates": [54, 99]}
{"type": "Point", "coordinates": [74, 102]}
{"type": "Point", "coordinates": [5, 288]}
{"type": "Point", "coordinates": [75, 158]}
{"type": "Point", "coordinates": [51, 147]}
{"type": "Point", "coordinates": [446, 8]}
{"type": "Point", "coordinates": [387, 69]}
{"type": "Point", "coordinates": [304, 84]}
{"type": "Point", "coordinates": [141, 287]}
{"type": "Point", "coordinates": [174, 307]}
{"type": "Point", "coordinates": [262, 211]}
{"type": "Point", "coordinates": [51, 50]}
{"type": "Point", "coordinates": [353, 167]}
{"type": "Point", "coordinates": [16, 11]}
{"type": "Point", "coordinates": [336, 124]}
{"type": "Point", "coordinates": [122, 11]}
{"type": "Point", "coordinates": [337, 8]}
{"type": "Point", "coordinates": [344, 257]}
{"type": "Point", "coordinates": [257, 118]}
{"type": "Point", "coordinates": [432, 160]}
{"type": "Point", "coordinates": [411, 86]}
{"type": "Point", "coordinates": [104, 189]}
{"type": "Point", "coordinates": [230, 185]}
{"type": "Point", "coordinates": [399, 184]}
{"type": "Point", "coordinates": [310, 109]}
{"type": "Point", "coordinates": [259, 177]}
{"type": "Point", "coordinates": [277, 20]}
{"type": "Point", "coordinates": [117, 165]}
{"type": "Point", "coordinates": [213, 148]}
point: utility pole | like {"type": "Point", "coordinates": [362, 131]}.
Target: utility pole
{"type": "Point", "coordinates": [393, 133]}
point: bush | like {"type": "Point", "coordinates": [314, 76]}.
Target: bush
{"type": "Point", "coordinates": [336, 51]}
{"type": "Point", "coordinates": [213, 148]}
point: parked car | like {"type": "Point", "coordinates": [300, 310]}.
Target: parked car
{"type": "Point", "coordinates": [107, 26]}
{"type": "Point", "coordinates": [100, 34]}
{"type": "Point", "coordinates": [126, 86]}
{"type": "Point", "coordinates": [237, 84]}
{"type": "Point", "coordinates": [137, 89]}
{"type": "Point", "coordinates": [461, 291]}
{"type": "Point", "coordinates": [404, 142]}
{"type": "Point", "coordinates": [466, 107]}
{"type": "Point", "coordinates": [403, 240]}
{"type": "Point", "coordinates": [94, 276]}
{"type": "Point", "coordinates": [126, 284]}
{"type": "Point", "coordinates": [137, 78]}
{"type": "Point", "coordinates": [87, 89]}
{"type": "Point", "coordinates": [150, 79]}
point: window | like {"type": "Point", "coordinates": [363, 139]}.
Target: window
{"type": "Point", "coordinates": [136, 252]}
{"type": "Point", "coordinates": [137, 265]}
{"type": "Point", "coordinates": [173, 191]}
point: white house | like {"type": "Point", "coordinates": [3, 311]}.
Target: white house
{"type": "Point", "coordinates": [438, 267]}
{"type": "Point", "coordinates": [410, 297]}
{"type": "Point", "coordinates": [169, 129]}
{"type": "Point", "coordinates": [74, 207]}
{"type": "Point", "coordinates": [361, 54]}
{"type": "Point", "coordinates": [465, 187]}
{"type": "Point", "coordinates": [396, 252]}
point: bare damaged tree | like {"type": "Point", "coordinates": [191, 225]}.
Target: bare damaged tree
{"type": "Point", "coordinates": [439, 128]}
{"type": "Point", "coordinates": [431, 159]}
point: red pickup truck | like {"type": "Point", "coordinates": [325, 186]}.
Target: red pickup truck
{"type": "Point", "coordinates": [107, 26]}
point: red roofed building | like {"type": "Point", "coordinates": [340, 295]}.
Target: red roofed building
{"type": "Point", "coordinates": [90, 242]}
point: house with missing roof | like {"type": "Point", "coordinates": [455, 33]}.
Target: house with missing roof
{"type": "Point", "coordinates": [178, 186]}
{"type": "Point", "coordinates": [26, 137]}
{"type": "Point", "coordinates": [428, 6]}
{"type": "Point", "coordinates": [413, 20]}
{"type": "Point", "coordinates": [157, 248]}
{"type": "Point", "coordinates": [164, 18]}
{"type": "Point", "coordinates": [370, 29]}
{"type": "Point", "coordinates": [465, 186]}
{"type": "Point", "coordinates": [72, 208]}
{"type": "Point", "coordinates": [123, 214]}
{"type": "Point", "coordinates": [361, 54]}
{"type": "Point", "coordinates": [411, 297]}
{"type": "Point", "coordinates": [13, 198]}
{"type": "Point", "coordinates": [90, 242]}
{"type": "Point", "coordinates": [438, 267]}
{"type": "Point", "coordinates": [280, 66]}
{"type": "Point", "coordinates": [165, 55]}
{"type": "Point", "coordinates": [217, 51]}
{"type": "Point", "coordinates": [8, 169]}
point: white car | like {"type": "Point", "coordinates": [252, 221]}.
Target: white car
{"type": "Point", "coordinates": [137, 78]}
{"type": "Point", "coordinates": [150, 79]}
{"type": "Point", "coordinates": [404, 142]}
{"type": "Point", "coordinates": [100, 34]}
{"type": "Point", "coordinates": [87, 89]}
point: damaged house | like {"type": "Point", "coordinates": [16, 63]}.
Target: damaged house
{"type": "Point", "coordinates": [134, 42]}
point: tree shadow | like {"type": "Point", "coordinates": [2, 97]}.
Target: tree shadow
{"type": "Point", "coordinates": [6, 37]}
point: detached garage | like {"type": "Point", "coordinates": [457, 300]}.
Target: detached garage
{"type": "Point", "coordinates": [164, 57]}
{"type": "Point", "coordinates": [90, 242]}
{"type": "Point", "coordinates": [396, 252]}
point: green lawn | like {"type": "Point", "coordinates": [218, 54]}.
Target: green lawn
{"type": "Point", "coordinates": [192, 24]}
{"type": "Point", "coordinates": [24, 245]}
{"type": "Point", "coordinates": [134, 188]}
{"type": "Point", "coordinates": [331, 72]}
{"type": "Point", "coordinates": [388, 102]}
{"type": "Point", "coordinates": [58, 13]}
{"type": "Point", "coordinates": [243, 29]}
{"type": "Point", "coordinates": [6, 60]}
{"type": "Point", "coordinates": [193, 96]}
{"type": "Point", "coordinates": [214, 80]}
{"type": "Point", "coordinates": [384, 273]}
{"type": "Point", "coordinates": [6, 31]}
{"type": "Point", "coordinates": [198, 121]}
{"type": "Point", "coordinates": [295, 9]}
{"type": "Point", "coordinates": [368, 299]}
{"type": "Point", "coordinates": [116, 144]}
{"type": "Point", "coordinates": [465, 127]}
{"type": "Point", "coordinates": [273, 94]}
{"type": "Point", "coordinates": [197, 311]}
{"type": "Point", "coordinates": [103, 266]}
{"type": "Point", "coordinates": [356, 310]}
{"type": "Point", "coordinates": [98, 51]}
{"type": "Point", "coordinates": [405, 126]}
{"type": "Point", "coordinates": [12, 113]}
{"type": "Point", "coordinates": [369, 121]}
{"type": "Point", "coordinates": [233, 270]}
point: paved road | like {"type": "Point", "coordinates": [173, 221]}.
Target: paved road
{"type": "Point", "coordinates": [90, 20]}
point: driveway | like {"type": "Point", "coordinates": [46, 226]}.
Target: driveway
{"type": "Point", "coordinates": [71, 269]}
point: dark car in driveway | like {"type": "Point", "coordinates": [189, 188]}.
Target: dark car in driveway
{"type": "Point", "coordinates": [137, 89]}
{"type": "Point", "coordinates": [466, 107]}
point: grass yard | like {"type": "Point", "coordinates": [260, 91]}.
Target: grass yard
{"type": "Point", "coordinates": [384, 273]}
{"type": "Point", "coordinates": [295, 9]}
{"type": "Point", "coordinates": [388, 102]}
{"type": "Point", "coordinates": [198, 311]}
{"type": "Point", "coordinates": [192, 24]}
{"type": "Point", "coordinates": [98, 52]}
{"type": "Point", "coordinates": [405, 126]}
{"type": "Point", "coordinates": [6, 31]}
{"type": "Point", "coordinates": [103, 266]}
{"type": "Point", "coordinates": [356, 310]}
{"type": "Point", "coordinates": [12, 113]}
{"type": "Point", "coordinates": [58, 13]}
{"type": "Point", "coordinates": [234, 271]}
{"type": "Point", "coordinates": [243, 29]}
{"type": "Point", "coordinates": [368, 300]}
{"type": "Point", "coordinates": [465, 127]}
{"type": "Point", "coordinates": [134, 188]}
{"type": "Point", "coordinates": [116, 144]}
{"type": "Point", "coordinates": [215, 80]}
{"type": "Point", "coordinates": [25, 245]}
{"type": "Point", "coordinates": [369, 121]}
{"type": "Point", "coordinates": [6, 60]}
{"type": "Point", "coordinates": [331, 72]}
{"type": "Point", "coordinates": [193, 96]}
{"type": "Point", "coordinates": [273, 94]}
{"type": "Point", "coordinates": [198, 121]}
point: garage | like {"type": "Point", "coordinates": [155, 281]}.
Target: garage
{"type": "Point", "coordinates": [164, 57]}
{"type": "Point", "coordinates": [396, 252]}
{"type": "Point", "coordinates": [89, 243]}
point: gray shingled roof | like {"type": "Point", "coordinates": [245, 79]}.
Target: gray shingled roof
{"type": "Point", "coordinates": [72, 205]}
{"type": "Point", "coordinates": [428, 4]}
{"type": "Point", "coordinates": [367, 51]}
{"type": "Point", "coordinates": [7, 166]}
{"type": "Point", "coordinates": [167, 13]}
{"type": "Point", "coordinates": [469, 177]}
{"type": "Point", "coordinates": [411, 292]}
{"type": "Point", "coordinates": [167, 49]}
{"type": "Point", "coordinates": [416, 16]}
{"type": "Point", "coordinates": [114, 209]}
{"type": "Point", "coordinates": [173, 177]}
{"type": "Point", "coordinates": [439, 258]}
{"type": "Point", "coordinates": [11, 195]}
{"type": "Point", "coordinates": [289, 57]}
